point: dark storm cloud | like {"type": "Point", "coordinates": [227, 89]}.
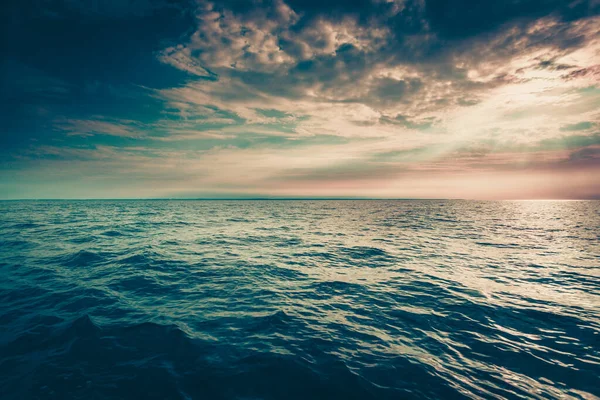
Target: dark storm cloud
{"type": "Point", "coordinates": [275, 48]}
{"type": "Point", "coordinates": [446, 19]}
{"type": "Point", "coordinates": [116, 41]}
{"type": "Point", "coordinates": [336, 51]}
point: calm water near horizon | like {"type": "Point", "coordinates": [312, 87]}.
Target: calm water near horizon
{"type": "Point", "coordinates": [333, 299]}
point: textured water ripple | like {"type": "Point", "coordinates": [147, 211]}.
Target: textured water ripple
{"type": "Point", "coordinates": [299, 299]}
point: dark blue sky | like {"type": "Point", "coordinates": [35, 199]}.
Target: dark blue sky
{"type": "Point", "coordinates": [378, 98]}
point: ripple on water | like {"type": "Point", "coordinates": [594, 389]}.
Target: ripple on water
{"type": "Point", "coordinates": [299, 299]}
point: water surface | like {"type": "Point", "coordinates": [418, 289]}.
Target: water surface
{"type": "Point", "coordinates": [299, 299]}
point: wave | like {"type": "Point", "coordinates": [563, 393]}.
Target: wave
{"type": "Point", "coordinates": [150, 360]}
{"type": "Point", "coordinates": [82, 258]}
{"type": "Point", "coordinates": [272, 300]}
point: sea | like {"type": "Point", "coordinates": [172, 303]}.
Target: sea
{"type": "Point", "coordinates": [299, 299]}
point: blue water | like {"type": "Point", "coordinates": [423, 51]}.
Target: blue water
{"type": "Point", "coordinates": [299, 299]}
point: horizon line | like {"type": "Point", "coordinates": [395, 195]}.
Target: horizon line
{"type": "Point", "coordinates": [281, 198]}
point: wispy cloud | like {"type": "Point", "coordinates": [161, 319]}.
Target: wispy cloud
{"type": "Point", "coordinates": [98, 126]}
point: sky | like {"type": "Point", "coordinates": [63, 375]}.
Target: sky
{"type": "Point", "coordinates": [496, 99]}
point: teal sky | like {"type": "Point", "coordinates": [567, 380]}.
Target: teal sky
{"type": "Point", "coordinates": [364, 98]}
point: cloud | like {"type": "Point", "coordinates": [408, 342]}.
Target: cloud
{"type": "Point", "coordinates": [308, 170]}
{"type": "Point", "coordinates": [78, 127]}
{"type": "Point", "coordinates": [587, 154]}
{"type": "Point", "coordinates": [277, 96]}
{"type": "Point", "coordinates": [360, 54]}
{"type": "Point", "coordinates": [180, 57]}
{"type": "Point", "coordinates": [580, 126]}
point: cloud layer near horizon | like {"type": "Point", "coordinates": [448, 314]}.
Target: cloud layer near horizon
{"type": "Point", "coordinates": [367, 98]}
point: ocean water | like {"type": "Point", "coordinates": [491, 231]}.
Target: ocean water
{"type": "Point", "coordinates": [299, 299]}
